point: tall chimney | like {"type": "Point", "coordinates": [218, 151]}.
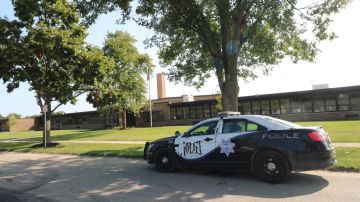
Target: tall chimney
{"type": "Point", "coordinates": [161, 90]}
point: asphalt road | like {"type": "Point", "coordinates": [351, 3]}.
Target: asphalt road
{"type": "Point", "coordinates": [45, 177]}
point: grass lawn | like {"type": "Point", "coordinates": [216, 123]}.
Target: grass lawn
{"type": "Point", "coordinates": [140, 134]}
{"type": "Point", "coordinates": [348, 158]}
{"type": "Point", "coordinates": [114, 150]}
{"type": "Point", "coordinates": [339, 131]}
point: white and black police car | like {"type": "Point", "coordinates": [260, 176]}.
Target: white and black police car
{"type": "Point", "coordinates": [267, 146]}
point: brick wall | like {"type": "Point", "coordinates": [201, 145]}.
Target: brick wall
{"type": "Point", "coordinates": [23, 125]}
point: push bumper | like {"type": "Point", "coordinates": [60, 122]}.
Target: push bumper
{"type": "Point", "coordinates": [148, 153]}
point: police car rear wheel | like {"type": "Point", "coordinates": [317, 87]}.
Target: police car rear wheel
{"type": "Point", "coordinates": [165, 161]}
{"type": "Point", "coordinates": [271, 166]}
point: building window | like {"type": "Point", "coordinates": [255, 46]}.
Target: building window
{"type": "Point", "coordinates": [307, 105]}
{"type": "Point", "coordinates": [246, 108]}
{"type": "Point", "coordinates": [265, 107]}
{"type": "Point", "coordinates": [296, 105]}
{"type": "Point", "coordinates": [240, 108]}
{"type": "Point", "coordinates": [155, 116]}
{"type": "Point", "coordinates": [256, 107]}
{"type": "Point", "coordinates": [207, 110]}
{"type": "Point", "coordinates": [355, 101]}
{"type": "Point", "coordinates": [186, 112]}
{"type": "Point", "coordinates": [275, 107]}
{"type": "Point", "coordinates": [285, 106]}
{"type": "Point", "coordinates": [214, 111]}
{"type": "Point", "coordinates": [199, 112]}
{"type": "Point", "coordinates": [343, 102]}
{"type": "Point", "coordinates": [192, 112]}
{"type": "Point", "coordinates": [319, 104]}
{"type": "Point", "coordinates": [176, 112]}
{"type": "Point", "coordinates": [330, 103]}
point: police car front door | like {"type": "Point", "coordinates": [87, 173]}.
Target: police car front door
{"type": "Point", "coordinates": [198, 142]}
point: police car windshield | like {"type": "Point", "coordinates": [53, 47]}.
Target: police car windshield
{"type": "Point", "coordinates": [283, 123]}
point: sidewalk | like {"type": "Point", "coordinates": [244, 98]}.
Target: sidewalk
{"type": "Point", "coordinates": [80, 141]}
{"type": "Point", "coordinates": [339, 144]}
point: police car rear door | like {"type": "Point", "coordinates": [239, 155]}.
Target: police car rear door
{"type": "Point", "coordinates": [237, 140]}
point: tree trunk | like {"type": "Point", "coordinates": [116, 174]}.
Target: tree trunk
{"type": "Point", "coordinates": [230, 87]}
{"type": "Point", "coordinates": [230, 94]}
{"type": "Point", "coordinates": [124, 119]}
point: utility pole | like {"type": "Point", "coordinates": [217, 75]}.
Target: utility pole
{"type": "Point", "coordinates": [45, 110]}
{"type": "Point", "coordinates": [150, 107]}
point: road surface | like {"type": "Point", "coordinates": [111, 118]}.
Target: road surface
{"type": "Point", "coordinates": [46, 177]}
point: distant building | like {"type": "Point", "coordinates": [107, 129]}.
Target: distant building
{"type": "Point", "coordinates": [312, 105]}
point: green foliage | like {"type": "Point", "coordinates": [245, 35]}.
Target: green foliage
{"type": "Point", "coordinates": [90, 10]}
{"type": "Point", "coordinates": [11, 119]}
{"type": "Point", "coordinates": [13, 115]}
{"type": "Point", "coordinates": [219, 103]}
{"type": "Point", "coordinates": [123, 88]}
{"type": "Point", "coordinates": [2, 117]}
{"type": "Point", "coordinates": [199, 37]}
{"type": "Point", "coordinates": [230, 39]}
{"type": "Point", "coordinates": [59, 113]}
{"type": "Point", "coordinates": [45, 46]}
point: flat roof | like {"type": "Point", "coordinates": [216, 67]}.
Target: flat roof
{"type": "Point", "coordinates": [305, 92]}
{"type": "Point", "coordinates": [284, 94]}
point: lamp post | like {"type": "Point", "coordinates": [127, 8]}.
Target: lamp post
{"type": "Point", "coordinates": [150, 108]}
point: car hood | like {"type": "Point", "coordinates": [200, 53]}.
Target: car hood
{"type": "Point", "coordinates": [165, 139]}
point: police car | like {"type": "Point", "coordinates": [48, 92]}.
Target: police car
{"type": "Point", "coordinates": [267, 146]}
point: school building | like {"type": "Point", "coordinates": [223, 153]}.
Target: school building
{"type": "Point", "coordinates": [342, 103]}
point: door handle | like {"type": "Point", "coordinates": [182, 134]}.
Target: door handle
{"type": "Point", "coordinates": [208, 139]}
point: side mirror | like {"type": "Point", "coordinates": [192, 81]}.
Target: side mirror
{"type": "Point", "coordinates": [177, 133]}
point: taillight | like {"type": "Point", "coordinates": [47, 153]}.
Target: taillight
{"type": "Point", "coordinates": [316, 136]}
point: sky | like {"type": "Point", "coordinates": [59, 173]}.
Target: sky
{"type": "Point", "coordinates": [338, 65]}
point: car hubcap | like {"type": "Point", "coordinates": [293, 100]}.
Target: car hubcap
{"type": "Point", "coordinates": [271, 166]}
{"type": "Point", "coordinates": [164, 160]}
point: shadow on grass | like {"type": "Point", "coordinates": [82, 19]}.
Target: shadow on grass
{"type": "Point", "coordinates": [19, 146]}
{"type": "Point", "coordinates": [132, 152]}
{"type": "Point", "coordinates": [71, 136]}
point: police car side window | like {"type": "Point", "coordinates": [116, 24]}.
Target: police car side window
{"type": "Point", "coordinates": [233, 126]}
{"type": "Point", "coordinates": [250, 126]}
{"type": "Point", "coordinates": [204, 129]}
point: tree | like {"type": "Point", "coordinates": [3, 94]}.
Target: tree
{"type": "Point", "coordinates": [11, 119]}
{"type": "Point", "coordinates": [45, 46]}
{"type": "Point", "coordinates": [2, 117]}
{"type": "Point", "coordinates": [232, 39]}
{"type": "Point", "coordinates": [123, 89]}
{"type": "Point", "coordinates": [14, 115]}
{"type": "Point", "coordinates": [59, 113]}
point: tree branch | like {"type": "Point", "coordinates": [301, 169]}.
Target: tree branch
{"type": "Point", "coordinates": [55, 108]}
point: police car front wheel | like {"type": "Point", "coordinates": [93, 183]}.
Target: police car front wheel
{"type": "Point", "coordinates": [271, 166]}
{"type": "Point", "coordinates": [164, 160]}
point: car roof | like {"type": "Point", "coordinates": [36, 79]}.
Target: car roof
{"type": "Point", "coordinates": [266, 121]}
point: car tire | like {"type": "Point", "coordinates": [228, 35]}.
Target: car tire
{"type": "Point", "coordinates": [165, 161]}
{"type": "Point", "coordinates": [271, 166]}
